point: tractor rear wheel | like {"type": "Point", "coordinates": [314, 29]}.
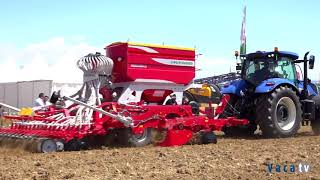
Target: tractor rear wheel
{"type": "Point", "coordinates": [279, 113]}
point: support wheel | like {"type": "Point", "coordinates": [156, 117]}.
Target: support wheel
{"type": "Point", "coordinates": [127, 138]}
{"type": "Point", "coordinates": [60, 145]}
{"type": "Point", "coordinates": [279, 113]}
{"type": "Point", "coordinates": [138, 140]}
{"type": "Point", "coordinates": [47, 146]}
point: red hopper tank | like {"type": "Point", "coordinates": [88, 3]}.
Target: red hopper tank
{"type": "Point", "coordinates": [134, 62]}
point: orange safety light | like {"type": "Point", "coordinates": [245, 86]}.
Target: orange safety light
{"type": "Point", "coordinates": [236, 53]}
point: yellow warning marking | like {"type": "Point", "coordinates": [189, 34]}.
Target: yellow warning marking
{"type": "Point", "coordinates": [154, 45]}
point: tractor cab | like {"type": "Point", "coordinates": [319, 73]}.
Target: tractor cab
{"type": "Point", "coordinates": [266, 70]}
{"type": "Point", "coordinates": [260, 66]}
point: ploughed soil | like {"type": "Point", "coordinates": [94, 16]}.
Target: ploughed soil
{"type": "Point", "coordinates": [229, 159]}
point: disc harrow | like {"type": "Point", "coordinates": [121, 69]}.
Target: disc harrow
{"type": "Point", "coordinates": [68, 129]}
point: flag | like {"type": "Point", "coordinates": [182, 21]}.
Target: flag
{"type": "Point", "coordinates": [243, 38]}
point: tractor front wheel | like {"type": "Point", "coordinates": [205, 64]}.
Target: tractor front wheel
{"type": "Point", "coordinates": [279, 113]}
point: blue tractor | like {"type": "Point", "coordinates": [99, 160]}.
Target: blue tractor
{"type": "Point", "coordinates": [272, 96]}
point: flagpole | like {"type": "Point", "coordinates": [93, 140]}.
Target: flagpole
{"type": "Point", "coordinates": [243, 38]}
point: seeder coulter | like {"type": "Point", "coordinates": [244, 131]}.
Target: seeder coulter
{"type": "Point", "coordinates": [122, 102]}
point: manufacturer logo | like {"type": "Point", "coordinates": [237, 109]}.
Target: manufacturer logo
{"type": "Point", "coordinates": [174, 62]}
{"type": "Point", "coordinates": [180, 62]}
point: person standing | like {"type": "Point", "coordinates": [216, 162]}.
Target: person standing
{"type": "Point", "coordinates": [1, 115]}
{"type": "Point", "coordinates": [1, 111]}
{"type": "Point", "coordinates": [172, 100]}
{"type": "Point", "coordinates": [46, 101]}
{"type": "Point", "coordinates": [40, 101]}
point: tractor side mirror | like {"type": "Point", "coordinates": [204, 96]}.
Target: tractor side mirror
{"type": "Point", "coordinates": [311, 61]}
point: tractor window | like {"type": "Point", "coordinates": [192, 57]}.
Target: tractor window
{"type": "Point", "coordinates": [257, 70]}
{"type": "Point", "coordinates": [286, 68]}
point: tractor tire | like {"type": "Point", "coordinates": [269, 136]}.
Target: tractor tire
{"type": "Point", "coordinates": [279, 113]}
{"type": "Point", "coordinates": [315, 123]}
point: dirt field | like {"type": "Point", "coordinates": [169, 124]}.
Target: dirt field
{"type": "Point", "coordinates": [229, 159]}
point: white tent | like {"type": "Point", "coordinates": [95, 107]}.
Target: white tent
{"type": "Point", "coordinates": [22, 94]}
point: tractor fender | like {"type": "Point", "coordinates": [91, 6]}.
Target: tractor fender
{"type": "Point", "coordinates": [312, 88]}
{"type": "Point", "coordinates": [269, 85]}
{"type": "Point", "coordinates": [234, 87]}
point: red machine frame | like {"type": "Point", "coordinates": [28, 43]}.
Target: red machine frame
{"type": "Point", "coordinates": [179, 127]}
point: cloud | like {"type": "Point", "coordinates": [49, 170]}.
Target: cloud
{"type": "Point", "coordinates": [54, 59]}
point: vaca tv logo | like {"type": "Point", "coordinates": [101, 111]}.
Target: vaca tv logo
{"type": "Point", "coordinates": [288, 168]}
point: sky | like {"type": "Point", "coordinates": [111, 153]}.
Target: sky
{"type": "Point", "coordinates": [42, 39]}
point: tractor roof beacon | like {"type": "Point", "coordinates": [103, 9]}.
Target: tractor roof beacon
{"type": "Point", "coordinates": [271, 95]}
